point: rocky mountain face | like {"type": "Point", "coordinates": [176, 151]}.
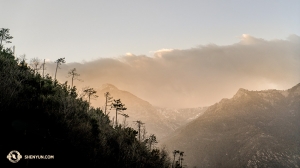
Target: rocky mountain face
{"type": "Point", "coordinates": [176, 118]}
{"type": "Point", "coordinates": [158, 121]}
{"type": "Point", "coordinates": [252, 129]}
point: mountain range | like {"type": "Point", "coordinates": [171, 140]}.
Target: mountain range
{"type": "Point", "coordinates": [157, 120]}
{"type": "Point", "coordinates": [252, 129]}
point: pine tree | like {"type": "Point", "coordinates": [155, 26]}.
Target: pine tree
{"type": "Point", "coordinates": [58, 62]}
{"type": "Point", "coordinates": [5, 36]}
{"type": "Point", "coordinates": [107, 101]}
{"type": "Point", "coordinates": [175, 152]}
{"type": "Point", "coordinates": [139, 124]}
{"type": "Point", "coordinates": [72, 73]}
{"type": "Point", "coordinates": [117, 104]}
{"type": "Point", "coordinates": [90, 93]}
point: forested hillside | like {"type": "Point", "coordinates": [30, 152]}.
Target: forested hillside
{"type": "Point", "coordinates": [41, 116]}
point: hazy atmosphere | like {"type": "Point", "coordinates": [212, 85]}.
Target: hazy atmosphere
{"type": "Point", "coordinates": [156, 84]}
{"type": "Point", "coordinates": [170, 53]}
{"type": "Point", "coordinates": [198, 76]}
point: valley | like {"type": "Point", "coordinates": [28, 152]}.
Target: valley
{"type": "Point", "coordinates": [252, 129]}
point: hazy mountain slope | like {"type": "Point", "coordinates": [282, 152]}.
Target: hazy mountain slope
{"type": "Point", "coordinates": [252, 129]}
{"type": "Point", "coordinates": [176, 118]}
{"type": "Point", "coordinates": [137, 109]}
{"type": "Point", "coordinates": [158, 121]}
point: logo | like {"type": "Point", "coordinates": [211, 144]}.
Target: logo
{"type": "Point", "coordinates": [14, 156]}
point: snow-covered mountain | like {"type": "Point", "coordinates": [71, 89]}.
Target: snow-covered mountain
{"type": "Point", "coordinates": [252, 129]}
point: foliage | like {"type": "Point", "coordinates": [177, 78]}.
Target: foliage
{"type": "Point", "coordinates": [90, 92]}
{"type": "Point", "coordinates": [58, 62]}
{"type": "Point", "coordinates": [5, 36]}
{"type": "Point", "coordinates": [119, 106]}
{"type": "Point", "coordinates": [36, 64]}
{"type": "Point", "coordinates": [139, 125]}
{"type": "Point", "coordinates": [108, 101]}
{"type": "Point", "coordinates": [44, 117]}
{"type": "Point", "coordinates": [72, 73]}
{"type": "Point", "coordinates": [151, 141]}
{"type": "Point", "coordinates": [178, 163]}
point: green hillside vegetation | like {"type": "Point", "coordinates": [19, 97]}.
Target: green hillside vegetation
{"type": "Point", "coordinates": [41, 116]}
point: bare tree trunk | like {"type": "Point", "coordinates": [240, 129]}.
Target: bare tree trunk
{"type": "Point", "coordinates": [173, 161]}
{"type": "Point", "coordinates": [43, 68]}
{"type": "Point", "coordinates": [116, 117]}
{"type": "Point", "coordinates": [56, 71]}
{"type": "Point", "coordinates": [89, 101]}
{"type": "Point", "coordinates": [105, 105]}
{"type": "Point", "coordinates": [72, 80]}
{"type": "Point", "coordinates": [2, 38]}
{"type": "Point", "coordinates": [140, 132]}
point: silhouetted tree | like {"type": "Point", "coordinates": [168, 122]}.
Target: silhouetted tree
{"type": "Point", "coordinates": [22, 59]}
{"type": "Point", "coordinates": [151, 141]}
{"type": "Point", "coordinates": [175, 152]}
{"type": "Point", "coordinates": [125, 116]}
{"type": "Point", "coordinates": [139, 124]}
{"type": "Point", "coordinates": [107, 101]}
{"type": "Point", "coordinates": [90, 92]}
{"type": "Point", "coordinates": [43, 66]}
{"type": "Point", "coordinates": [58, 62]}
{"type": "Point", "coordinates": [5, 36]}
{"type": "Point", "coordinates": [53, 120]}
{"type": "Point", "coordinates": [178, 163]}
{"type": "Point", "coordinates": [180, 158]}
{"type": "Point", "coordinates": [74, 75]}
{"type": "Point", "coordinates": [143, 133]}
{"type": "Point", "coordinates": [117, 104]}
{"type": "Point", "coordinates": [36, 64]}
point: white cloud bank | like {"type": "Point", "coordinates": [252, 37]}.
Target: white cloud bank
{"type": "Point", "coordinates": [197, 76]}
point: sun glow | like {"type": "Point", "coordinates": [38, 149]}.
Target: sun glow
{"type": "Point", "coordinates": [245, 35]}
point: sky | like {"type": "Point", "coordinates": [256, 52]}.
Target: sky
{"type": "Point", "coordinates": [189, 53]}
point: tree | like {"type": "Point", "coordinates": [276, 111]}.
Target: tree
{"type": "Point", "coordinates": [43, 65]}
{"type": "Point", "coordinates": [5, 36]}
{"type": "Point", "coordinates": [117, 104]}
{"type": "Point", "coordinates": [151, 141]}
{"type": "Point", "coordinates": [143, 132]}
{"type": "Point", "coordinates": [52, 115]}
{"type": "Point", "coordinates": [139, 123]}
{"type": "Point", "coordinates": [174, 154]}
{"type": "Point", "coordinates": [74, 75]}
{"type": "Point", "coordinates": [178, 163]}
{"type": "Point", "coordinates": [58, 62]}
{"type": "Point", "coordinates": [107, 100]}
{"type": "Point", "coordinates": [36, 64]}
{"type": "Point", "coordinates": [90, 92]}
{"type": "Point", "coordinates": [125, 116]}
{"type": "Point", "coordinates": [22, 59]}
{"type": "Point", "coordinates": [180, 158]}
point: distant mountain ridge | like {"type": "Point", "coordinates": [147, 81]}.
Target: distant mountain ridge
{"type": "Point", "coordinates": [158, 121]}
{"type": "Point", "coordinates": [252, 129]}
{"type": "Point", "coordinates": [179, 117]}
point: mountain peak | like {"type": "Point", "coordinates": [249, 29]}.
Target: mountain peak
{"type": "Point", "coordinates": [240, 92]}
{"type": "Point", "coordinates": [295, 90]}
{"type": "Point", "coordinates": [109, 87]}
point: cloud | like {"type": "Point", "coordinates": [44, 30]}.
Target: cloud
{"type": "Point", "coordinates": [129, 54]}
{"type": "Point", "coordinates": [159, 53]}
{"type": "Point", "coordinates": [197, 76]}
{"type": "Point", "coordinates": [246, 39]}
